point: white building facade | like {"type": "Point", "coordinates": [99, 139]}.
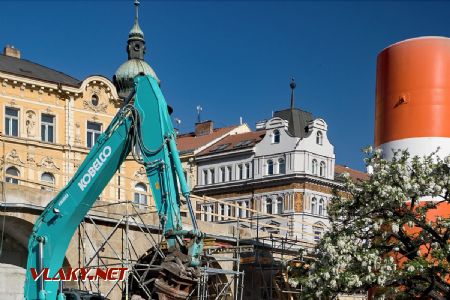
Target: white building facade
{"type": "Point", "coordinates": [279, 178]}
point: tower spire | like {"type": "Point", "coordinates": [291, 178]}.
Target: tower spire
{"type": "Point", "coordinates": [136, 10]}
{"type": "Point", "coordinates": [292, 85]}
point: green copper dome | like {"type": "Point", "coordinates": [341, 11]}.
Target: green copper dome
{"type": "Point", "coordinates": [123, 79]}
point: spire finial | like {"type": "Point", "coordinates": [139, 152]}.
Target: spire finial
{"type": "Point", "coordinates": [292, 85]}
{"type": "Point", "coordinates": [136, 9]}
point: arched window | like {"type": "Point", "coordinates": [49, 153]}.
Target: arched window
{"type": "Point", "coordinates": [269, 206]}
{"type": "Point", "coordinates": [280, 205]}
{"type": "Point", "coordinates": [322, 169]}
{"type": "Point", "coordinates": [281, 166]}
{"type": "Point", "coordinates": [276, 136]}
{"type": "Point", "coordinates": [140, 195]}
{"type": "Point", "coordinates": [321, 203]}
{"type": "Point", "coordinates": [49, 180]}
{"type": "Point", "coordinates": [270, 167]}
{"type": "Point", "coordinates": [12, 171]}
{"type": "Point", "coordinates": [314, 167]}
{"type": "Point", "coordinates": [319, 138]}
{"type": "Point", "coordinates": [313, 206]}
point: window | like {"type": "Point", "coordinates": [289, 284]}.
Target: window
{"type": "Point", "coordinates": [94, 100]}
{"type": "Point", "coordinates": [229, 172]}
{"type": "Point", "coordinates": [93, 132]}
{"type": "Point", "coordinates": [247, 170]}
{"type": "Point", "coordinates": [319, 138]}
{"type": "Point", "coordinates": [226, 211]}
{"type": "Point", "coordinates": [12, 171]}
{"type": "Point", "coordinates": [321, 208]}
{"type": "Point", "coordinates": [11, 121]}
{"type": "Point", "coordinates": [240, 172]}
{"type": "Point", "coordinates": [280, 205]}
{"type": "Point", "coordinates": [322, 169]}
{"type": "Point", "coordinates": [47, 128]}
{"type": "Point", "coordinates": [140, 195]}
{"type": "Point", "coordinates": [221, 211]}
{"type": "Point", "coordinates": [207, 211]}
{"type": "Point", "coordinates": [269, 206]}
{"type": "Point", "coordinates": [281, 166]}
{"type": "Point", "coordinates": [318, 231]}
{"type": "Point", "coordinates": [269, 167]}
{"type": "Point", "coordinates": [313, 206]}
{"type": "Point", "coordinates": [205, 177]}
{"type": "Point", "coordinates": [222, 174]}
{"type": "Point", "coordinates": [243, 210]}
{"type": "Point", "coordinates": [213, 176]}
{"type": "Point", "coordinates": [314, 167]}
{"type": "Point", "coordinates": [49, 180]}
{"type": "Point", "coordinates": [276, 136]}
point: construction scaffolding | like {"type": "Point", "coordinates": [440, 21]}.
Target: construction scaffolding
{"type": "Point", "coordinates": [214, 282]}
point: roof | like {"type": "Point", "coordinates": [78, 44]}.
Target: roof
{"type": "Point", "coordinates": [297, 121]}
{"type": "Point", "coordinates": [355, 175]}
{"type": "Point", "coordinates": [189, 142]}
{"type": "Point", "coordinates": [26, 68]}
{"type": "Point", "coordinates": [235, 142]}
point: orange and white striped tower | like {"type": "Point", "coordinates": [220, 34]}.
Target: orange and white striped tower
{"type": "Point", "coordinates": [413, 97]}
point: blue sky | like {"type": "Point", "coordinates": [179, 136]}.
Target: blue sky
{"type": "Point", "coordinates": [235, 58]}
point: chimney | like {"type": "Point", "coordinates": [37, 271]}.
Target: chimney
{"type": "Point", "coordinates": [204, 128]}
{"type": "Point", "coordinates": [11, 51]}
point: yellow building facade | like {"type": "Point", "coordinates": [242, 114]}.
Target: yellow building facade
{"type": "Point", "coordinates": [49, 123]}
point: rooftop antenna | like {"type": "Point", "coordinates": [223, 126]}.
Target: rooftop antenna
{"type": "Point", "coordinates": [292, 85]}
{"type": "Point", "coordinates": [199, 110]}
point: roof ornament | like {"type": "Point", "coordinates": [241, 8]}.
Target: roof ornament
{"type": "Point", "coordinates": [292, 85]}
{"type": "Point", "coordinates": [136, 32]}
{"type": "Point", "coordinates": [136, 9]}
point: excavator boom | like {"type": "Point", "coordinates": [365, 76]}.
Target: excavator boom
{"type": "Point", "coordinates": [144, 124]}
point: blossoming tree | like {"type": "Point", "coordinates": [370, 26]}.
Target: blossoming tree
{"type": "Point", "coordinates": [390, 234]}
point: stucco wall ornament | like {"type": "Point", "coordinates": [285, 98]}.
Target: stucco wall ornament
{"type": "Point", "coordinates": [96, 107]}
{"type": "Point", "coordinates": [47, 162]}
{"type": "Point", "coordinates": [30, 123]}
{"type": "Point", "coordinates": [140, 174]}
{"type": "Point", "coordinates": [30, 159]}
{"type": "Point", "coordinates": [13, 156]}
{"type": "Point", "coordinates": [77, 133]}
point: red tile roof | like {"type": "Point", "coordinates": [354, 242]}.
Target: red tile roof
{"type": "Point", "coordinates": [355, 175]}
{"type": "Point", "coordinates": [189, 142]}
{"type": "Point", "coordinates": [235, 141]}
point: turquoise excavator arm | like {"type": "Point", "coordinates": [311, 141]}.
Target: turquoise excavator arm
{"type": "Point", "coordinates": [143, 123]}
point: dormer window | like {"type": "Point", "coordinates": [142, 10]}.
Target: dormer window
{"type": "Point", "coordinates": [319, 138]}
{"type": "Point", "coordinates": [276, 136]}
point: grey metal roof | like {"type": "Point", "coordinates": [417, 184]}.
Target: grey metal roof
{"type": "Point", "coordinates": [297, 119]}
{"type": "Point", "coordinates": [26, 68]}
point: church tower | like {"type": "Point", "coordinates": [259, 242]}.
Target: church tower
{"type": "Point", "coordinates": [135, 65]}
